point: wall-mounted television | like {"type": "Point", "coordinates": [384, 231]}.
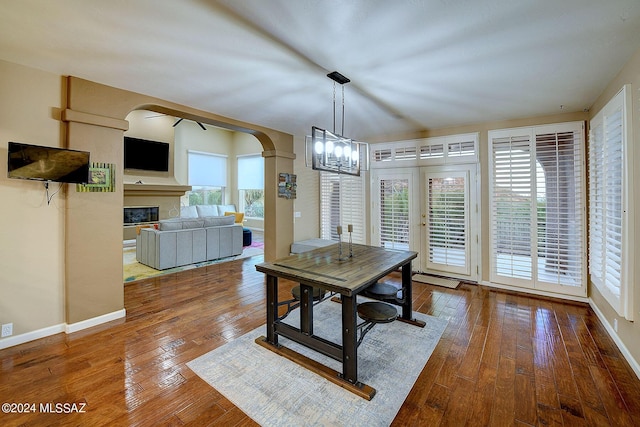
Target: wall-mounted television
{"type": "Point", "coordinates": [26, 161]}
{"type": "Point", "coordinates": [146, 155]}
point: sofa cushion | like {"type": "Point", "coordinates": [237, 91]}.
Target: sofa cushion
{"type": "Point", "coordinates": [188, 212]}
{"type": "Point", "coordinates": [192, 223]}
{"type": "Point", "coordinates": [216, 221]}
{"type": "Point", "coordinates": [207, 210]}
{"type": "Point", "coordinates": [170, 224]}
{"type": "Point", "coordinates": [239, 216]}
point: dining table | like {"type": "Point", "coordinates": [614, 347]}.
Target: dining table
{"type": "Point", "coordinates": [345, 271]}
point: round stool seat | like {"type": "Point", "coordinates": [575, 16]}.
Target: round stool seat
{"type": "Point", "coordinates": [317, 293]}
{"type": "Point", "coordinates": [382, 290]}
{"type": "Point", "coordinates": [377, 312]}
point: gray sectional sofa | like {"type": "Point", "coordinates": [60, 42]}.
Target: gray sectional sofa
{"type": "Point", "coordinates": [183, 241]}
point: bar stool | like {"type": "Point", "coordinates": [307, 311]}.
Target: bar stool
{"type": "Point", "coordinates": [317, 296]}
{"type": "Point", "coordinates": [372, 313]}
{"type": "Point", "coordinates": [318, 293]}
{"type": "Point", "coordinates": [383, 291]}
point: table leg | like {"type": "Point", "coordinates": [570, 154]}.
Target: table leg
{"type": "Point", "coordinates": [272, 309]}
{"type": "Point", "coordinates": [306, 309]}
{"type": "Point", "coordinates": [349, 339]}
{"type": "Point", "coordinates": [407, 296]}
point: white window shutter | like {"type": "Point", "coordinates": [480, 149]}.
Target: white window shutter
{"type": "Point", "coordinates": [610, 197]}
{"type": "Point", "coordinates": [393, 223]}
{"type": "Point", "coordinates": [342, 203]}
{"type": "Point", "coordinates": [538, 208]}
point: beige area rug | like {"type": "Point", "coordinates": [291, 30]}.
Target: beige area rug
{"type": "Point", "coordinates": [434, 280]}
{"type": "Point", "coordinates": [133, 270]}
{"type": "Point", "coordinates": [275, 391]}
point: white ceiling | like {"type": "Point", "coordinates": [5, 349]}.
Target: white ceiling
{"type": "Point", "coordinates": [413, 64]}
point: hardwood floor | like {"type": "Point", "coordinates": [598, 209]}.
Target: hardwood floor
{"type": "Point", "coordinates": [504, 359]}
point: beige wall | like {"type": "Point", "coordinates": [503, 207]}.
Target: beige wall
{"type": "Point", "coordinates": [628, 332]}
{"type": "Point", "coordinates": [307, 202]}
{"type": "Point", "coordinates": [32, 254]}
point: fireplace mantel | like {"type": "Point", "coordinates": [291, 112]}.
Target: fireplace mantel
{"type": "Point", "coordinates": [165, 196]}
{"type": "Point", "coordinates": [155, 190]}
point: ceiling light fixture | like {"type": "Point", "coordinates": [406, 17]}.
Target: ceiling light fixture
{"type": "Point", "coordinates": [332, 152]}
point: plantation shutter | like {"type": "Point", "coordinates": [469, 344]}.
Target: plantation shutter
{"type": "Point", "coordinates": [560, 243]}
{"type": "Point", "coordinates": [538, 208]}
{"type": "Point", "coordinates": [511, 207]}
{"type": "Point", "coordinates": [608, 266]}
{"type": "Point", "coordinates": [342, 203]}
{"type": "Point", "coordinates": [394, 213]}
{"type": "Point", "coordinates": [447, 221]}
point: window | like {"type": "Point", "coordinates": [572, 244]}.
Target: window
{"type": "Point", "coordinates": [609, 192]}
{"type": "Point", "coordinates": [342, 203]}
{"type": "Point", "coordinates": [394, 213]}
{"type": "Point", "coordinates": [538, 208]}
{"type": "Point", "coordinates": [207, 177]}
{"type": "Point", "coordinates": [451, 149]}
{"type": "Point", "coordinates": [251, 185]}
{"type": "Point", "coordinates": [447, 221]}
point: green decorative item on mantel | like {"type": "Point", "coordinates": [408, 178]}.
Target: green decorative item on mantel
{"type": "Point", "coordinates": [101, 179]}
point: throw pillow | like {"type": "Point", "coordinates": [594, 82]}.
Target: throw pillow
{"type": "Point", "coordinates": [207, 210]}
{"type": "Point", "coordinates": [238, 215]}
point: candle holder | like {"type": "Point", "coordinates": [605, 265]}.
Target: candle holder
{"type": "Point", "coordinates": [350, 230]}
{"type": "Point", "coordinates": [340, 258]}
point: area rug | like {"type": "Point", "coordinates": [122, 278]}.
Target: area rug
{"type": "Point", "coordinates": [133, 270]}
{"type": "Point", "coordinates": [275, 391]}
{"type": "Point", "coordinates": [437, 281]}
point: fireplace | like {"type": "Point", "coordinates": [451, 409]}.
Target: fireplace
{"type": "Point", "coordinates": [140, 214]}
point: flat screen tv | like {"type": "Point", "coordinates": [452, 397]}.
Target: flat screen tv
{"type": "Point", "coordinates": [146, 155]}
{"type": "Point", "coordinates": [26, 161]}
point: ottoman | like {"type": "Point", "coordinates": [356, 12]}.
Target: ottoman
{"type": "Point", "coordinates": [246, 237]}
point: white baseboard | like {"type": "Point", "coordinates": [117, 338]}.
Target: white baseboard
{"type": "Point", "coordinates": [535, 292]}
{"type": "Point", "coordinates": [95, 321]}
{"type": "Point", "coordinates": [614, 336]}
{"type": "Point", "coordinates": [62, 327]}
{"type": "Point", "coordinates": [31, 336]}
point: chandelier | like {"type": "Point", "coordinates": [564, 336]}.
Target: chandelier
{"type": "Point", "coordinates": [333, 152]}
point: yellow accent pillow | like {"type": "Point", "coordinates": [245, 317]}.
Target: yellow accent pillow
{"type": "Point", "coordinates": [239, 216]}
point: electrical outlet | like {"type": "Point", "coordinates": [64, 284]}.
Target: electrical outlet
{"type": "Point", "coordinates": [7, 330]}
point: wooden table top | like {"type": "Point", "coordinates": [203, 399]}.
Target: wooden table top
{"type": "Point", "coordinates": [348, 276]}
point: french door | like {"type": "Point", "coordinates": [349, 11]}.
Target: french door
{"type": "Point", "coordinates": [395, 209]}
{"type": "Point", "coordinates": [430, 210]}
{"type": "Point", "coordinates": [449, 221]}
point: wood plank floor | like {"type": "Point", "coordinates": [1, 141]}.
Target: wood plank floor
{"type": "Point", "coordinates": [504, 359]}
